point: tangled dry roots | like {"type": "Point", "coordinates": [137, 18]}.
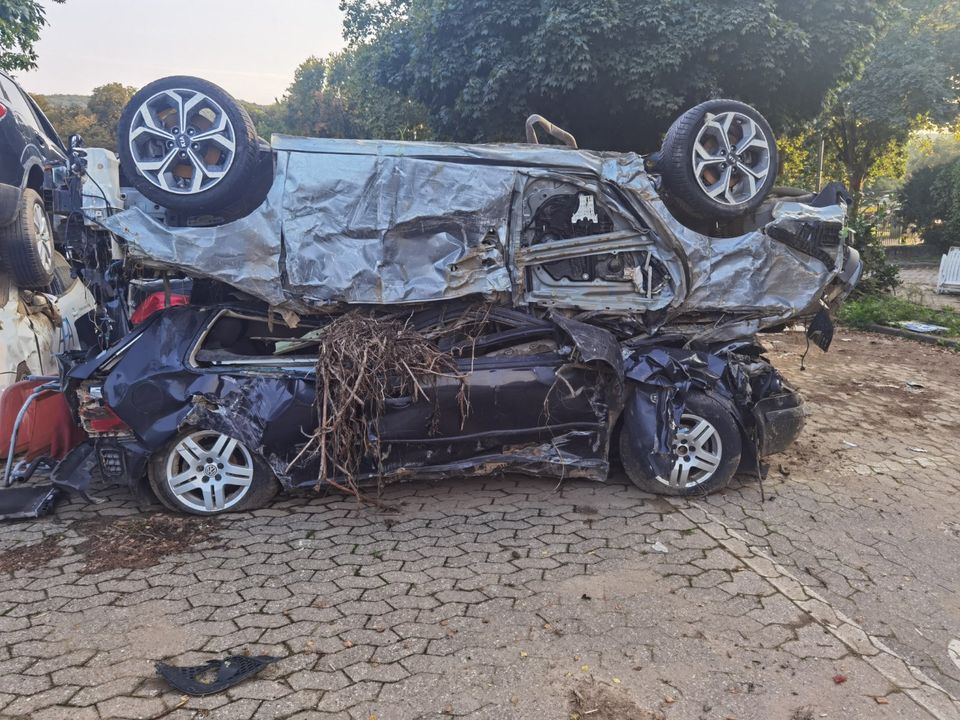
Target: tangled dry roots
{"type": "Point", "coordinates": [362, 360]}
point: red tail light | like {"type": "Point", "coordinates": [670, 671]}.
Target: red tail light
{"type": "Point", "coordinates": [3, 111]}
{"type": "Point", "coordinates": [104, 420]}
{"type": "Point", "coordinates": [96, 417]}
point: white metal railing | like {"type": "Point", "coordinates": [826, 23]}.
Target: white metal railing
{"type": "Point", "coordinates": [949, 280]}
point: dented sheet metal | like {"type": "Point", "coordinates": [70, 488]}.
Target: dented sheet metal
{"type": "Point", "coordinates": [370, 222]}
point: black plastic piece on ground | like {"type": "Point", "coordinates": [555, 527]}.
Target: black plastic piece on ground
{"type": "Point", "coordinates": [27, 502]}
{"type": "Point", "coordinates": [215, 675]}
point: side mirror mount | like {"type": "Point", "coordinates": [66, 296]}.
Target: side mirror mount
{"type": "Point", "coordinates": [75, 141]}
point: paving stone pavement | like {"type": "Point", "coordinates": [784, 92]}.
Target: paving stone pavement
{"type": "Point", "coordinates": [835, 598]}
{"type": "Point", "coordinates": [920, 285]}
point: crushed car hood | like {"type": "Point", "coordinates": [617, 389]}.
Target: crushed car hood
{"type": "Point", "coordinates": [375, 222]}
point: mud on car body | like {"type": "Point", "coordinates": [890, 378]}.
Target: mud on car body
{"type": "Point", "coordinates": [210, 406]}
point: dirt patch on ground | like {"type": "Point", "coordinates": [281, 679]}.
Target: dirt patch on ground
{"type": "Point", "coordinates": [140, 542]}
{"type": "Point", "coordinates": [31, 556]}
{"type": "Point", "coordinates": [598, 701]}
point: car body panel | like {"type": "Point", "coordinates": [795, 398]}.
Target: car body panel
{"type": "Point", "coordinates": [35, 327]}
{"type": "Point", "coordinates": [370, 222]}
{"type": "Point", "coordinates": [27, 141]}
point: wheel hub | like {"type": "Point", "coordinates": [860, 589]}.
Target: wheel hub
{"type": "Point", "coordinates": [731, 158]}
{"type": "Point", "coordinates": [182, 141]}
{"type": "Point", "coordinates": [210, 470]}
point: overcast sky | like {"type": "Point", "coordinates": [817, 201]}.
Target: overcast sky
{"type": "Point", "coordinates": [249, 47]}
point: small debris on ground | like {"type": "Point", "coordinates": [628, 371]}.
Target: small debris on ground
{"type": "Point", "coordinates": [139, 541]}
{"type": "Point", "coordinates": [592, 700]}
{"type": "Point", "coordinates": [31, 556]}
{"type": "Point", "coordinates": [839, 679]}
{"type": "Point", "coordinates": [659, 547]}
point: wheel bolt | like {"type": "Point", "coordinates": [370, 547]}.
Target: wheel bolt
{"type": "Point", "coordinates": [220, 465]}
{"type": "Point", "coordinates": [195, 146]}
{"type": "Point", "coordinates": [219, 477]}
{"type": "Point", "coordinates": [169, 143]}
{"type": "Point", "coordinates": [191, 131]}
{"type": "Point", "coordinates": [183, 154]}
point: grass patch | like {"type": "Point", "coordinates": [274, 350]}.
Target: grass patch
{"type": "Point", "coordinates": [888, 310]}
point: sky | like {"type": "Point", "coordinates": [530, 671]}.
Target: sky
{"type": "Point", "coordinates": [249, 47]}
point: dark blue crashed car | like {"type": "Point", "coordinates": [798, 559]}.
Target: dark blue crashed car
{"type": "Point", "coordinates": [211, 405]}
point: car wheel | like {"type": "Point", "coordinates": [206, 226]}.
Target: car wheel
{"type": "Point", "coordinates": [204, 472]}
{"type": "Point", "coordinates": [707, 448]}
{"type": "Point", "coordinates": [27, 243]}
{"type": "Point", "coordinates": [719, 160]}
{"type": "Point", "coordinates": [190, 147]}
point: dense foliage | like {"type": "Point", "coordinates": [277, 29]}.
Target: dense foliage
{"type": "Point", "coordinates": [20, 25]}
{"type": "Point", "coordinates": [96, 121]}
{"type": "Point", "coordinates": [931, 201]}
{"type": "Point", "coordinates": [615, 73]}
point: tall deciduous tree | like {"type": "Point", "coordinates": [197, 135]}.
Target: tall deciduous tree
{"type": "Point", "coordinates": [616, 73]}
{"type": "Point", "coordinates": [20, 25]}
{"type": "Point", "coordinates": [911, 76]}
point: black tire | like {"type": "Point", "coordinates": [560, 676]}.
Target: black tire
{"type": "Point", "coordinates": [262, 489]}
{"type": "Point", "coordinates": [682, 188]}
{"type": "Point", "coordinates": [240, 178]}
{"type": "Point", "coordinates": [702, 407]}
{"type": "Point", "coordinates": [27, 243]}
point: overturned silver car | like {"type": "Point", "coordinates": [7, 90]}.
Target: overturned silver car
{"type": "Point", "coordinates": [378, 222]}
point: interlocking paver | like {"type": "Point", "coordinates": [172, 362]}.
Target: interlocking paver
{"type": "Point", "coordinates": [491, 598]}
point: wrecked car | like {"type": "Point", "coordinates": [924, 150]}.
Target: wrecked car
{"type": "Point", "coordinates": [622, 296]}
{"type": "Point", "coordinates": [211, 406]}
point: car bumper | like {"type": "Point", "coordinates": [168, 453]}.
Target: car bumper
{"type": "Point", "coordinates": [780, 419]}
{"type": "Point", "coordinates": [9, 202]}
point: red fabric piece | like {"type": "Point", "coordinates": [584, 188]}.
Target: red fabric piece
{"type": "Point", "coordinates": [48, 427]}
{"type": "Point", "coordinates": [153, 303]}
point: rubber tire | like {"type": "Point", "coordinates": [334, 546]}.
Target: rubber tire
{"type": "Point", "coordinates": [19, 243]}
{"type": "Point", "coordinates": [676, 167]}
{"type": "Point", "coordinates": [233, 188]}
{"type": "Point", "coordinates": [264, 487]}
{"type": "Point", "coordinates": [731, 439]}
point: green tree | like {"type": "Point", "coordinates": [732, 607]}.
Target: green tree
{"type": "Point", "coordinates": [909, 79]}
{"type": "Point", "coordinates": [930, 199]}
{"type": "Point", "coordinates": [20, 24]}
{"type": "Point", "coordinates": [96, 121]}
{"type": "Point", "coordinates": [314, 107]}
{"type": "Point", "coordinates": [615, 73]}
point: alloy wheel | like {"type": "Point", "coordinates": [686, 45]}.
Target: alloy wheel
{"type": "Point", "coordinates": [44, 238]}
{"type": "Point", "coordinates": [699, 452]}
{"type": "Point", "coordinates": [182, 141]}
{"type": "Point", "coordinates": [731, 158]}
{"type": "Point", "coordinates": [209, 472]}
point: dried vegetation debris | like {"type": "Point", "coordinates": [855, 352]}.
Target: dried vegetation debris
{"type": "Point", "coordinates": [595, 700]}
{"type": "Point", "coordinates": [139, 541]}
{"type": "Point", "coordinates": [31, 556]}
{"type": "Point", "coordinates": [363, 359]}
